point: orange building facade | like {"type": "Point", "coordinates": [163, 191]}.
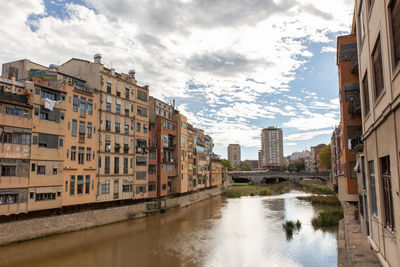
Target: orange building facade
{"type": "Point", "coordinates": [350, 120]}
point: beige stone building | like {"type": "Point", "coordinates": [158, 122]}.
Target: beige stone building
{"type": "Point", "coordinates": [272, 148]}
{"type": "Point", "coordinates": [15, 142]}
{"type": "Point", "coordinates": [182, 180]}
{"type": "Point", "coordinates": [123, 129]}
{"type": "Point", "coordinates": [234, 155]}
{"type": "Point", "coordinates": [81, 142]}
{"type": "Point", "coordinates": [378, 38]}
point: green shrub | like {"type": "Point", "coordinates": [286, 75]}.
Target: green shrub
{"type": "Point", "coordinates": [327, 218]}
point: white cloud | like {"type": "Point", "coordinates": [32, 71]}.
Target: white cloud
{"type": "Point", "coordinates": [328, 49]}
{"type": "Point", "coordinates": [236, 53]}
{"type": "Point", "coordinates": [307, 135]}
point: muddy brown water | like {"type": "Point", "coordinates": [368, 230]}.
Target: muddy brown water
{"type": "Point", "coordinates": [218, 232]}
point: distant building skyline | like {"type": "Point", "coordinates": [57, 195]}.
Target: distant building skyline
{"type": "Point", "coordinates": [234, 155]}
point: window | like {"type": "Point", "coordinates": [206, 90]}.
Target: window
{"type": "Point", "coordinates": [378, 70]}
{"type": "Point", "coordinates": [127, 186]}
{"type": "Point", "coordinates": [117, 148]}
{"type": "Point", "coordinates": [141, 161]}
{"type": "Point", "coordinates": [118, 109]}
{"type": "Point", "coordinates": [106, 165]}
{"type": "Point", "coordinates": [140, 189]}
{"type": "Point", "coordinates": [82, 132]}
{"type": "Point", "coordinates": [99, 163]}
{"type": "Point", "coordinates": [108, 107]}
{"type": "Point", "coordinates": [109, 87]}
{"type": "Point", "coordinates": [126, 148]}
{"type": "Point", "coordinates": [44, 93]}
{"type": "Point", "coordinates": [372, 184]}
{"type": "Point", "coordinates": [88, 153]}
{"type": "Point", "coordinates": [353, 173]}
{"type": "Point", "coordinates": [116, 165]}
{"type": "Point", "coordinates": [8, 170]}
{"type": "Point", "coordinates": [75, 103]}
{"type": "Point", "coordinates": [44, 116]}
{"type": "Point", "coordinates": [73, 153]}
{"type": "Point", "coordinates": [105, 187]}
{"type": "Point", "coordinates": [89, 105]}
{"type": "Point", "coordinates": [41, 169]}
{"type": "Point", "coordinates": [366, 93]}
{"type": "Point", "coordinates": [142, 111]}
{"type": "Point", "coordinates": [45, 196]}
{"type": "Point", "coordinates": [117, 127]}
{"type": "Point", "coordinates": [142, 95]}
{"type": "Point", "coordinates": [361, 22]}
{"type": "Point", "coordinates": [127, 93]}
{"type": "Point", "coordinates": [127, 112]}
{"type": "Point", "coordinates": [87, 184]}
{"type": "Point", "coordinates": [152, 187]}
{"type": "Point", "coordinates": [107, 147]}
{"type": "Point", "coordinates": [395, 17]}
{"type": "Point", "coordinates": [74, 127]}
{"type": "Point", "coordinates": [140, 175]}
{"type": "Point", "coordinates": [89, 130]}
{"type": "Point", "coordinates": [125, 165]}
{"type": "Point", "coordinates": [82, 106]}
{"type": "Point", "coordinates": [145, 129]}
{"type": "Point", "coordinates": [164, 186]}
{"type": "Point", "coordinates": [108, 125]}
{"type": "Point", "coordinates": [72, 185]}
{"type": "Point", "coordinates": [387, 193]}
{"type": "Point", "coordinates": [81, 155]}
{"type": "Point", "coordinates": [79, 186]}
{"type": "Point", "coordinates": [126, 129]}
{"type": "Point", "coordinates": [48, 140]}
{"type": "Point", "coordinates": [138, 127]}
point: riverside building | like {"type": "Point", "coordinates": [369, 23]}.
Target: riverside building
{"type": "Point", "coordinates": [376, 25]}
{"type": "Point", "coordinates": [272, 148]}
{"type": "Point", "coordinates": [123, 129]}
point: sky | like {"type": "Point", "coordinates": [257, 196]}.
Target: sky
{"type": "Point", "coordinates": [233, 67]}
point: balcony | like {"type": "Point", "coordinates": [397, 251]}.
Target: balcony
{"type": "Point", "coordinates": [141, 150]}
{"type": "Point", "coordinates": [354, 66]}
{"type": "Point", "coordinates": [169, 145]}
{"type": "Point", "coordinates": [13, 97]}
{"type": "Point", "coordinates": [356, 145]}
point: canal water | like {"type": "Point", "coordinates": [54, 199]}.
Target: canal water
{"type": "Point", "coordinates": [217, 232]}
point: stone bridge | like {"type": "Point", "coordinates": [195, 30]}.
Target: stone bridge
{"type": "Point", "coordinates": [258, 177]}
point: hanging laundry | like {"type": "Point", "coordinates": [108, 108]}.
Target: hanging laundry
{"type": "Point", "coordinates": [49, 104]}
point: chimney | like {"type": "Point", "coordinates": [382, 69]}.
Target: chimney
{"type": "Point", "coordinates": [12, 82]}
{"type": "Point", "coordinates": [53, 67]}
{"type": "Point", "coordinates": [131, 74]}
{"type": "Point", "coordinates": [97, 58]}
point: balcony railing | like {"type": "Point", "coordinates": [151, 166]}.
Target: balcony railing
{"type": "Point", "coordinates": [141, 149]}
{"type": "Point", "coordinates": [356, 144]}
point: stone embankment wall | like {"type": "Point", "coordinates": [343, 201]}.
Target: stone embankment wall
{"type": "Point", "coordinates": [40, 227]}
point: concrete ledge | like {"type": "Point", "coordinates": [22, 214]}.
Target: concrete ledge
{"type": "Point", "coordinates": [12, 232]}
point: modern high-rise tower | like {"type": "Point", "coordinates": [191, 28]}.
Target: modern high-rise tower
{"type": "Point", "coordinates": [272, 148]}
{"type": "Point", "coordinates": [234, 155]}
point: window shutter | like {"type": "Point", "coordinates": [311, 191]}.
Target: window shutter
{"type": "Point", "coordinates": [74, 128]}
{"type": "Point", "coordinates": [36, 111]}
{"type": "Point", "coordinates": [81, 128]}
{"type": "Point", "coordinates": [57, 115]}
{"type": "Point", "coordinates": [35, 140]}
{"type": "Point", "coordinates": [61, 142]}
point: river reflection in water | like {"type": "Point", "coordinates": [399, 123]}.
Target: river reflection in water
{"type": "Point", "coordinates": [217, 232]}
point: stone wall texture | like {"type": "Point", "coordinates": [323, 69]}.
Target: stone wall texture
{"type": "Point", "coordinates": [40, 227]}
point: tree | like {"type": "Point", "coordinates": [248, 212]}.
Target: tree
{"type": "Point", "coordinates": [296, 166]}
{"type": "Point", "coordinates": [226, 164]}
{"type": "Point", "coordinates": [244, 166]}
{"type": "Point", "coordinates": [324, 158]}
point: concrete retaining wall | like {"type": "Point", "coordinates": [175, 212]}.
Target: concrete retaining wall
{"type": "Point", "coordinates": [40, 227]}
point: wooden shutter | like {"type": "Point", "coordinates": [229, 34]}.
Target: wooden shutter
{"type": "Point", "coordinates": [378, 72]}
{"type": "Point", "coordinates": [35, 140]}
{"type": "Point", "coordinates": [74, 127]}
{"type": "Point", "coordinates": [366, 93]}
{"type": "Point", "coordinates": [395, 8]}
